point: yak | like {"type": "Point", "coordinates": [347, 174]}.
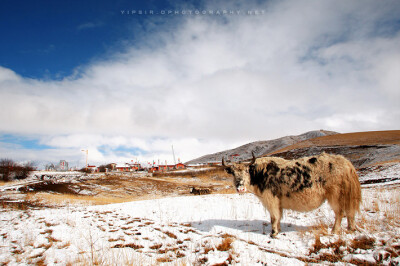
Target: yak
{"type": "Point", "coordinates": [301, 185]}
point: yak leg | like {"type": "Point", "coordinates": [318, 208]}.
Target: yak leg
{"type": "Point", "coordinates": [280, 218]}
{"type": "Point", "coordinates": [338, 221]}
{"type": "Point", "coordinates": [350, 220]}
{"type": "Point", "coordinates": [334, 202]}
{"type": "Point", "coordinates": [275, 214]}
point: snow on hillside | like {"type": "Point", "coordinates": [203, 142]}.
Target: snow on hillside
{"type": "Point", "coordinates": [381, 175]}
{"type": "Point", "coordinates": [201, 230]}
{"type": "Point", "coordinates": [259, 148]}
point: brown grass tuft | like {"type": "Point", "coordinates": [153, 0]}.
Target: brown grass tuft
{"type": "Point", "coordinates": [186, 224]}
{"type": "Point", "coordinates": [334, 245]}
{"type": "Point", "coordinates": [171, 235]}
{"type": "Point", "coordinates": [180, 254]}
{"type": "Point", "coordinates": [65, 245]}
{"type": "Point", "coordinates": [164, 259]}
{"type": "Point", "coordinates": [207, 249]}
{"type": "Point", "coordinates": [51, 239]}
{"type": "Point", "coordinates": [226, 244]}
{"type": "Point", "coordinates": [363, 243]}
{"type": "Point", "coordinates": [156, 246]}
{"type": "Point", "coordinates": [131, 245]}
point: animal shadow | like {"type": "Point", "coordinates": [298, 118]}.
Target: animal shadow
{"type": "Point", "coordinates": [254, 226]}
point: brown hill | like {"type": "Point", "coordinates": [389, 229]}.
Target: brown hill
{"type": "Point", "coordinates": [259, 147]}
{"type": "Point", "coordinates": [362, 148]}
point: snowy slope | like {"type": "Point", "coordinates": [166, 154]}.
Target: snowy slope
{"type": "Point", "coordinates": [259, 147]}
{"type": "Point", "coordinates": [199, 230]}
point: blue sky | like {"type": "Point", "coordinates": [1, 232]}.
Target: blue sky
{"type": "Point", "coordinates": [211, 76]}
{"type": "Point", "coordinates": [49, 39]}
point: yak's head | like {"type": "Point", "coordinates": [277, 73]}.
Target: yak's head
{"type": "Point", "coordinates": [240, 172]}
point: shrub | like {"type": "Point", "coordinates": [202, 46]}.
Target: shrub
{"type": "Point", "coordinates": [6, 167]}
{"type": "Point", "coordinates": [10, 170]}
{"type": "Point", "coordinates": [103, 168]}
{"type": "Point", "coordinates": [85, 170]}
{"type": "Point", "coordinates": [22, 172]}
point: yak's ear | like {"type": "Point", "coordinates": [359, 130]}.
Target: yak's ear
{"type": "Point", "coordinates": [253, 160]}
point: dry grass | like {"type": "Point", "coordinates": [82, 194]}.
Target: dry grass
{"type": "Point", "coordinates": [129, 245]}
{"type": "Point", "coordinates": [156, 246]}
{"type": "Point", "coordinates": [63, 199]}
{"type": "Point", "coordinates": [64, 245]}
{"type": "Point", "coordinates": [339, 248]}
{"type": "Point", "coordinates": [171, 235]}
{"type": "Point", "coordinates": [207, 249]}
{"type": "Point", "coordinates": [186, 224]}
{"type": "Point", "coordinates": [334, 245]}
{"type": "Point", "coordinates": [392, 213]}
{"type": "Point", "coordinates": [116, 239]}
{"type": "Point", "coordinates": [2, 183]}
{"type": "Point", "coordinates": [110, 189]}
{"type": "Point", "coordinates": [226, 243]}
{"type": "Point", "coordinates": [380, 209]}
{"type": "Point", "coordinates": [206, 173]}
{"type": "Point", "coordinates": [363, 243]}
{"type": "Point", "coordinates": [318, 229]}
{"type": "Point", "coordinates": [165, 259]}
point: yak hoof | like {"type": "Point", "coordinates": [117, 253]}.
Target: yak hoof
{"type": "Point", "coordinates": [273, 234]}
{"type": "Point", "coordinates": [351, 229]}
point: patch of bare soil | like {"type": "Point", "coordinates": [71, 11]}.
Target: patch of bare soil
{"type": "Point", "coordinates": [116, 188]}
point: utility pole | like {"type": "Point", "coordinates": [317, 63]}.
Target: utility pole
{"type": "Point", "coordinates": [87, 153]}
{"type": "Point", "coordinates": [173, 154]}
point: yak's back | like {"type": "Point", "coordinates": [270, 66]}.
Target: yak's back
{"type": "Point", "coordinates": [284, 177]}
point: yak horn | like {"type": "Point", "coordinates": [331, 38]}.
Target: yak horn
{"type": "Point", "coordinates": [253, 160]}
{"type": "Point", "coordinates": [223, 162]}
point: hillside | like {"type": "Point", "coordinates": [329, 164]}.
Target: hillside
{"type": "Point", "coordinates": [260, 147]}
{"type": "Point", "coordinates": [363, 149]}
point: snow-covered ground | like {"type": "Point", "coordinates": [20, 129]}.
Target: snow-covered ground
{"type": "Point", "coordinates": [381, 175]}
{"type": "Point", "coordinates": [201, 230]}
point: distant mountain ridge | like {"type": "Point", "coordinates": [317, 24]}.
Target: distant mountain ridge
{"type": "Point", "coordinates": [259, 147]}
{"type": "Point", "coordinates": [363, 149]}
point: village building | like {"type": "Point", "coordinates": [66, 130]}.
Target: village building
{"type": "Point", "coordinates": [50, 167]}
{"type": "Point", "coordinates": [166, 167]}
{"type": "Point", "coordinates": [127, 167]}
{"type": "Point", "coordinates": [180, 166]}
{"type": "Point", "coordinates": [62, 166]}
{"type": "Point", "coordinates": [93, 168]}
{"type": "Point", "coordinates": [122, 168]}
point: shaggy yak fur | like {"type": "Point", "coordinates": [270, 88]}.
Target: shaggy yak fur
{"type": "Point", "coordinates": [301, 185]}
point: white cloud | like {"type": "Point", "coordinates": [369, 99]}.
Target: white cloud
{"type": "Point", "coordinates": [217, 82]}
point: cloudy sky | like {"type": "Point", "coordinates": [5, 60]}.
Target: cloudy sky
{"type": "Point", "coordinates": [127, 80]}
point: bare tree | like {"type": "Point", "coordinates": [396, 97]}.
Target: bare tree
{"type": "Point", "coordinates": [10, 170]}
{"type": "Point", "coordinates": [103, 168]}
{"type": "Point", "coordinates": [6, 168]}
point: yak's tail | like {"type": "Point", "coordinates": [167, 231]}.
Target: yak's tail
{"type": "Point", "coordinates": [352, 191]}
